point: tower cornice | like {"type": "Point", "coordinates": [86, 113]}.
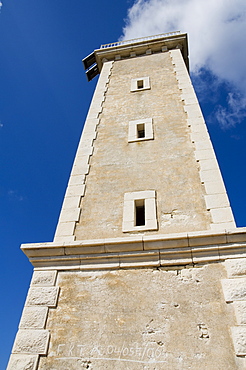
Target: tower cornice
{"type": "Point", "coordinates": [165, 251]}
{"type": "Point", "coordinates": [135, 48]}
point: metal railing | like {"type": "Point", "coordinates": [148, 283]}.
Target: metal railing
{"type": "Point", "coordinates": [124, 42]}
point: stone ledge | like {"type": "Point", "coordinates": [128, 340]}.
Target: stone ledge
{"type": "Point", "coordinates": [174, 249]}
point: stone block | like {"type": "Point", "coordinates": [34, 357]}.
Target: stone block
{"type": "Point", "coordinates": [189, 94]}
{"type": "Point", "coordinates": [104, 263]}
{"type": "Point", "coordinates": [236, 267]}
{"type": "Point", "coordinates": [151, 224]}
{"type": "Point", "coordinates": [65, 228]}
{"type": "Point", "coordinates": [202, 144]}
{"type": "Point", "coordinates": [89, 129]}
{"type": "Point", "coordinates": [139, 195]}
{"type": "Point", "coordinates": [84, 249]}
{"type": "Point", "coordinates": [189, 100]}
{"type": "Point", "coordinates": [150, 210]}
{"type": "Point", "coordinates": [240, 309]}
{"type": "Point", "coordinates": [184, 84]}
{"type": "Point", "coordinates": [211, 175]}
{"type": "Point", "coordinates": [31, 342]}
{"type": "Point", "coordinates": [64, 239]}
{"type": "Point", "coordinates": [222, 215]}
{"type": "Point", "coordinates": [216, 201]}
{"type": "Point", "coordinates": [208, 164]}
{"type": "Point", "coordinates": [198, 121]}
{"type": "Point", "coordinates": [96, 105]}
{"type": "Point", "coordinates": [163, 242]}
{"type": "Point", "coordinates": [205, 253]}
{"type": "Point", "coordinates": [213, 187]}
{"type": "Point", "coordinates": [33, 317]}
{"type": "Point", "coordinates": [88, 136]}
{"type": "Point", "coordinates": [182, 78]}
{"type": "Point", "coordinates": [69, 214]}
{"type": "Point", "coordinates": [132, 259]}
{"type": "Point", "coordinates": [214, 239]}
{"type": "Point", "coordinates": [71, 202]}
{"type": "Point", "coordinates": [231, 251]}
{"type": "Point", "coordinates": [238, 235]}
{"type": "Point", "coordinates": [44, 278]}
{"type": "Point", "coordinates": [87, 141]}
{"type": "Point", "coordinates": [175, 256]}
{"type": "Point", "coordinates": [127, 225]}
{"type": "Point", "coordinates": [58, 263]}
{"type": "Point", "coordinates": [222, 226]}
{"type": "Point", "coordinates": [74, 190]}
{"type": "Point", "coordinates": [85, 151]}
{"type": "Point", "coordinates": [77, 179]}
{"type": "Point", "coordinates": [42, 296]}
{"type": "Point", "coordinates": [234, 289]}
{"type": "Point", "coordinates": [43, 251]}
{"type": "Point", "coordinates": [81, 159]}
{"type": "Point", "coordinates": [80, 169]}
{"type": "Point", "coordinates": [128, 211]}
{"type": "Point", "coordinates": [239, 339]}
{"type": "Point", "coordinates": [193, 111]}
{"type": "Point", "coordinates": [23, 362]}
{"type": "Point", "coordinates": [200, 136]}
{"type": "Point", "coordinates": [93, 113]}
{"type": "Point", "coordinates": [181, 72]}
{"type": "Point", "coordinates": [123, 247]}
{"type": "Point", "coordinates": [204, 154]}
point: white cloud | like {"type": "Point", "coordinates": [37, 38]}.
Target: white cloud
{"type": "Point", "coordinates": [216, 31]}
{"type": "Point", "coordinates": [15, 196]}
{"type": "Point", "coordinates": [233, 113]}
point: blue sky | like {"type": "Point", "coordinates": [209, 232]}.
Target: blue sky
{"type": "Point", "coordinates": [44, 98]}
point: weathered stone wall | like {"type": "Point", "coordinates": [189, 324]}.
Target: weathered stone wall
{"type": "Point", "coordinates": [166, 164]}
{"type": "Point", "coordinates": [141, 319]}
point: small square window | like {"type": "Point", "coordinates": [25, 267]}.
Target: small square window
{"type": "Point", "coordinates": [139, 212]}
{"type": "Point", "coordinates": [141, 129]}
{"type": "Point", "coordinates": [139, 84]}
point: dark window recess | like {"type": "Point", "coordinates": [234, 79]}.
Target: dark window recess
{"type": "Point", "coordinates": [140, 84]}
{"type": "Point", "coordinates": [92, 72]}
{"type": "Point", "coordinates": [139, 212]}
{"type": "Point", "coordinates": [140, 130]}
{"type": "Point", "coordinates": [89, 60]}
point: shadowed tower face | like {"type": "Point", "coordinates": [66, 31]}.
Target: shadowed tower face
{"type": "Point", "coordinates": [142, 263]}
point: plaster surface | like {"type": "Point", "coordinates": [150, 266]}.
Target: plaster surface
{"type": "Point", "coordinates": [141, 319]}
{"type": "Point", "coordinates": [166, 164]}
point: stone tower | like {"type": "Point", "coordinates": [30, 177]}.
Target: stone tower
{"type": "Point", "coordinates": [147, 269]}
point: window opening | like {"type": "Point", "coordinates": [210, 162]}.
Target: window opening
{"type": "Point", "coordinates": [140, 84]}
{"type": "Point", "coordinates": [140, 130]}
{"type": "Point", "coordinates": [140, 212]}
